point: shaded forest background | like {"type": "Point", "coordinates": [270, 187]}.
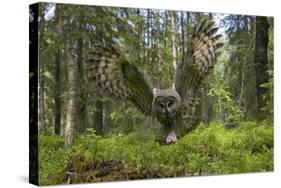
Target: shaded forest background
{"type": "Point", "coordinates": [239, 89]}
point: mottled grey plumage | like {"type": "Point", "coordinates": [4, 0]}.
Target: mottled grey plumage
{"type": "Point", "coordinates": [115, 77]}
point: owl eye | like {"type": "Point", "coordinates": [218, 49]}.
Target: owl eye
{"type": "Point", "coordinates": [170, 103]}
{"type": "Point", "coordinates": [162, 105]}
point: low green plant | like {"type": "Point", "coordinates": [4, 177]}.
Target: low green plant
{"type": "Point", "coordinates": [208, 150]}
{"type": "Point", "coordinates": [52, 157]}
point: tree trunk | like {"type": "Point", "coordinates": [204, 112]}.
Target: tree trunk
{"type": "Point", "coordinates": [81, 106]}
{"type": "Point", "coordinates": [173, 29]}
{"type": "Point", "coordinates": [57, 93]}
{"type": "Point", "coordinates": [107, 110]}
{"type": "Point", "coordinates": [182, 34]}
{"type": "Point", "coordinates": [188, 30]}
{"type": "Point", "coordinates": [261, 63]}
{"type": "Point", "coordinates": [71, 101]}
{"type": "Point", "coordinates": [207, 106]}
{"type": "Point", "coordinates": [98, 117]}
{"type": "Point", "coordinates": [166, 28]}
{"type": "Point", "coordinates": [241, 100]}
{"type": "Point", "coordinates": [157, 63]}
{"type": "Point", "coordinates": [141, 36]}
{"type": "Point", "coordinates": [242, 80]}
{"type": "Point", "coordinates": [148, 35]}
{"type": "Point", "coordinates": [59, 28]}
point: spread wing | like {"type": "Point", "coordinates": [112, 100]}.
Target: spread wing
{"type": "Point", "coordinates": [115, 77]}
{"type": "Point", "coordinates": [199, 59]}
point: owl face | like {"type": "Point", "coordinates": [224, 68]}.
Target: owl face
{"type": "Point", "coordinates": [166, 102]}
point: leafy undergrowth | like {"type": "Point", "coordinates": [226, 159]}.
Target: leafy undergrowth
{"type": "Point", "coordinates": [208, 150]}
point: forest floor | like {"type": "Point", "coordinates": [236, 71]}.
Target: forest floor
{"type": "Point", "coordinates": [208, 150]}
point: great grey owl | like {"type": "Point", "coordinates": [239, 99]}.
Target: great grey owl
{"type": "Point", "coordinates": [115, 77]}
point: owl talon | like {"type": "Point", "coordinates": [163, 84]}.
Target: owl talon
{"type": "Point", "coordinates": [171, 138]}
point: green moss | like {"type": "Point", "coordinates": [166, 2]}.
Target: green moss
{"type": "Point", "coordinates": [209, 149]}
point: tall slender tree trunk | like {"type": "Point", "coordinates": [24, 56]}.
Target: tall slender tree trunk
{"type": "Point", "coordinates": [148, 35]}
{"type": "Point", "coordinates": [188, 29]}
{"type": "Point", "coordinates": [157, 47]}
{"type": "Point", "coordinates": [153, 37]}
{"type": "Point", "coordinates": [173, 29]}
{"type": "Point", "coordinates": [57, 93]}
{"type": "Point", "coordinates": [140, 36]}
{"type": "Point", "coordinates": [71, 100]}
{"type": "Point", "coordinates": [98, 117]}
{"type": "Point", "coordinates": [182, 34]}
{"type": "Point", "coordinates": [166, 28]}
{"type": "Point", "coordinates": [58, 72]}
{"type": "Point", "coordinates": [261, 63]}
{"type": "Point", "coordinates": [81, 106]}
{"type": "Point", "coordinates": [64, 82]}
{"type": "Point", "coordinates": [242, 79]}
{"type": "Point", "coordinates": [107, 121]}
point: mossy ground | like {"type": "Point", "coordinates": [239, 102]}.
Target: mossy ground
{"type": "Point", "coordinates": [208, 150]}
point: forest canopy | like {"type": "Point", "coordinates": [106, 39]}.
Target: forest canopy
{"type": "Point", "coordinates": [233, 105]}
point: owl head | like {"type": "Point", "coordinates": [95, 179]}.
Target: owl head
{"type": "Point", "coordinates": [166, 102]}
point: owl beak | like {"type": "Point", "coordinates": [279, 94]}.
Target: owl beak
{"type": "Point", "coordinates": [167, 112]}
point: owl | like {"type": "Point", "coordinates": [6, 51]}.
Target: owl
{"type": "Point", "coordinates": [117, 78]}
